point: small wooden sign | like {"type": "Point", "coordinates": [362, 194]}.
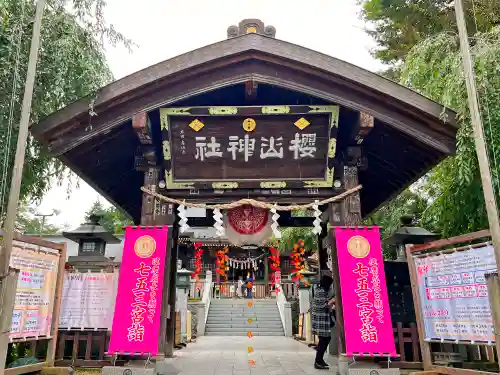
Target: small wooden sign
{"type": "Point", "coordinates": [249, 147]}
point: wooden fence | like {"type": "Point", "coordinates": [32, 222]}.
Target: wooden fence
{"type": "Point", "coordinates": [83, 348]}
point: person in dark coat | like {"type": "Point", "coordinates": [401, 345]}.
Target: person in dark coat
{"type": "Point", "coordinates": [322, 322]}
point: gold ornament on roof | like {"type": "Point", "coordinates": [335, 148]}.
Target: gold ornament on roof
{"type": "Point", "coordinates": [196, 125]}
{"type": "Point", "coordinates": [251, 30]}
{"type": "Point", "coordinates": [302, 123]}
{"type": "Point", "coordinates": [249, 124]}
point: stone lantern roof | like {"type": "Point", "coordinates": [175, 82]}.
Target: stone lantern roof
{"type": "Point", "coordinates": [91, 230]}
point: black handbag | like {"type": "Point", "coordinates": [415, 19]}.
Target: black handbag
{"type": "Point", "coordinates": [333, 319]}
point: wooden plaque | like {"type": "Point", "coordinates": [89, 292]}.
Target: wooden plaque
{"type": "Point", "coordinates": [249, 147]}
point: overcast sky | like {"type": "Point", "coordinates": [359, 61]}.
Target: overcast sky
{"type": "Point", "coordinates": [163, 29]}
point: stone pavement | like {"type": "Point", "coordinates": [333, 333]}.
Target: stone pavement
{"type": "Point", "coordinates": [221, 355]}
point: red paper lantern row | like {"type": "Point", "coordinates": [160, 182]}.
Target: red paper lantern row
{"type": "Point", "coordinates": [198, 255]}
{"type": "Point", "coordinates": [221, 263]}
{"type": "Point", "coordinates": [297, 258]}
{"type": "Point", "coordinates": [275, 266]}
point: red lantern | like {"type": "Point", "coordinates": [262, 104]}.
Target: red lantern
{"type": "Point", "coordinates": [275, 265]}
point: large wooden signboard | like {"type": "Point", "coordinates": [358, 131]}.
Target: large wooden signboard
{"type": "Point", "coordinates": [249, 147]}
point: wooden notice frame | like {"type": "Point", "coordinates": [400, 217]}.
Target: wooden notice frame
{"type": "Point", "coordinates": [61, 249]}
{"type": "Point", "coordinates": [438, 246]}
{"type": "Point", "coordinates": [226, 125]}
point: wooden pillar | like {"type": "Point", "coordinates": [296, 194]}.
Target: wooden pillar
{"type": "Point", "coordinates": [266, 273]}
{"type": "Point", "coordinates": [346, 213]}
{"type": "Point", "coordinates": [52, 343]}
{"type": "Point", "coordinates": [425, 347]}
{"type": "Point", "coordinates": [172, 289]}
{"type": "Point", "coordinates": [156, 212]}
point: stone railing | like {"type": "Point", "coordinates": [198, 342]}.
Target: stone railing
{"type": "Point", "coordinates": [203, 308]}
{"type": "Point", "coordinates": [285, 310]}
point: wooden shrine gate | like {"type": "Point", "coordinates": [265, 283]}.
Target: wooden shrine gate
{"type": "Point", "coordinates": [250, 117]}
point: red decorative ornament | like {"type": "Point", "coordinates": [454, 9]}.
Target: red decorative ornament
{"type": "Point", "coordinates": [247, 219]}
{"type": "Point", "coordinates": [275, 266]}
{"type": "Point", "coordinates": [221, 263]}
{"type": "Point", "coordinates": [198, 254]}
{"type": "Point", "coordinates": [297, 258]}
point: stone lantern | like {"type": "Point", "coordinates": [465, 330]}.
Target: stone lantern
{"type": "Point", "coordinates": [183, 283]}
{"type": "Point", "coordinates": [92, 239]}
{"type": "Point", "coordinates": [407, 234]}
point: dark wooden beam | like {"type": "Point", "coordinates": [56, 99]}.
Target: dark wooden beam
{"type": "Point", "coordinates": [284, 222]}
{"type": "Point", "coordinates": [264, 194]}
{"type": "Point", "coordinates": [145, 158]}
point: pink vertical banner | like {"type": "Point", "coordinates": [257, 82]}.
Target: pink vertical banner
{"type": "Point", "coordinates": [136, 321]}
{"type": "Point", "coordinates": [367, 317]}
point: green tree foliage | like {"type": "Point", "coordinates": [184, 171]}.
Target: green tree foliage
{"type": "Point", "coordinates": [291, 236]}
{"type": "Point", "coordinates": [113, 220]}
{"type": "Point", "coordinates": [434, 68]}
{"type": "Point", "coordinates": [27, 221]}
{"type": "Point", "coordinates": [71, 65]}
{"type": "Point", "coordinates": [398, 25]}
{"type": "Point", "coordinates": [389, 216]}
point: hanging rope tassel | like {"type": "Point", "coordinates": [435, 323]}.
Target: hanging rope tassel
{"type": "Point", "coordinates": [275, 225]}
{"type": "Point", "coordinates": [317, 221]}
{"type": "Point", "coordinates": [218, 225]}
{"type": "Point", "coordinates": [183, 222]}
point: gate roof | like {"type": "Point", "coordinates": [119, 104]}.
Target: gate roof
{"type": "Point", "coordinates": [411, 133]}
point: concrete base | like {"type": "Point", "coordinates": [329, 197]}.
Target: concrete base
{"type": "Point", "coordinates": [374, 371]}
{"type": "Point", "coordinates": [111, 370]}
{"type": "Point", "coordinates": [166, 367]}
{"type": "Point", "coordinates": [57, 371]}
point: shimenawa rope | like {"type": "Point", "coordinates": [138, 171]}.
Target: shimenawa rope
{"type": "Point", "coordinates": [253, 202]}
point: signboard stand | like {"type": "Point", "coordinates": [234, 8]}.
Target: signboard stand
{"type": "Point", "coordinates": [449, 292]}
{"type": "Point", "coordinates": [36, 271]}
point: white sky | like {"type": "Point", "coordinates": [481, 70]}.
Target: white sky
{"type": "Point", "coordinates": [163, 29]}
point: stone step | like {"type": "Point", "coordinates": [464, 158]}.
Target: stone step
{"type": "Point", "coordinates": [244, 317]}
{"type": "Point", "coordinates": [243, 333]}
{"type": "Point", "coordinates": [246, 312]}
{"type": "Point", "coordinates": [272, 327]}
{"type": "Point", "coordinates": [244, 321]}
{"type": "Point", "coordinates": [245, 303]}
{"type": "Point", "coordinates": [242, 329]}
{"type": "Point", "coordinates": [243, 307]}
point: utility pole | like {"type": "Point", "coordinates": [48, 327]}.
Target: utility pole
{"type": "Point", "coordinates": [482, 156]}
{"type": "Point", "coordinates": [8, 276]}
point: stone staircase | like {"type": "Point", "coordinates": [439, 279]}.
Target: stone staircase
{"type": "Point", "coordinates": [230, 317]}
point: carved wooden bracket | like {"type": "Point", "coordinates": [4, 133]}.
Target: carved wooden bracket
{"type": "Point", "coordinates": [366, 124]}
{"type": "Point", "coordinates": [141, 126]}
